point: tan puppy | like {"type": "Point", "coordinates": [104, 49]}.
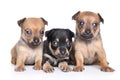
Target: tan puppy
{"type": "Point", "coordinates": [88, 44]}
{"type": "Point", "coordinates": [29, 48]}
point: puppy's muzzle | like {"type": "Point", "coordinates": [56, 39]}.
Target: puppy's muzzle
{"type": "Point", "coordinates": [35, 42]}
{"type": "Point", "coordinates": [87, 34]}
{"type": "Point", "coordinates": [63, 52]}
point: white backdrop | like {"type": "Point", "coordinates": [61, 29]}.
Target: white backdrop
{"type": "Point", "coordinates": [58, 13]}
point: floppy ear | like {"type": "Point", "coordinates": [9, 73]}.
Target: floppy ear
{"type": "Point", "coordinates": [101, 19]}
{"type": "Point", "coordinates": [21, 21]}
{"type": "Point", "coordinates": [75, 16]}
{"type": "Point", "coordinates": [44, 21]}
{"type": "Point", "coordinates": [70, 33]}
{"type": "Point", "coordinates": [49, 33]}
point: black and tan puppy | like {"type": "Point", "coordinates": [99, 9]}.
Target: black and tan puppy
{"type": "Point", "coordinates": [29, 49]}
{"type": "Point", "coordinates": [88, 44]}
{"type": "Point", "coordinates": [57, 49]}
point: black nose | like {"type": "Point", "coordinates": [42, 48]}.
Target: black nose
{"type": "Point", "coordinates": [87, 31]}
{"type": "Point", "coordinates": [62, 51]}
{"type": "Point", "coordinates": [36, 40]}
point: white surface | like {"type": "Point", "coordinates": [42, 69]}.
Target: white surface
{"type": "Point", "coordinates": [58, 13]}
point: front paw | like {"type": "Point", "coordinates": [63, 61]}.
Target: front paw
{"type": "Point", "coordinates": [37, 67]}
{"type": "Point", "coordinates": [78, 68]}
{"type": "Point", "coordinates": [48, 68]}
{"type": "Point", "coordinates": [107, 69]}
{"type": "Point", "coordinates": [20, 68]}
{"type": "Point", "coordinates": [64, 67]}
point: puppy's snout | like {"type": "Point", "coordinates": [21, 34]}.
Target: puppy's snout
{"type": "Point", "coordinates": [87, 31]}
{"type": "Point", "coordinates": [62, 51]}
{"type": "Point", "coordinates": [36, 40]}
{"type": "Point", "coordinates": [87, 34]}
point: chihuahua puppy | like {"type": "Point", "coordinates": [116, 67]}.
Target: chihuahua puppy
{"type": "Point", "coordinates": [57, 49]}
{"type": "Point", "coordinates": [29, 49]}
{"type": "Point", "coordinates": [88, 43]}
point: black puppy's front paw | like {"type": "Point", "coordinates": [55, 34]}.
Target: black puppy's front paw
{"type": "Point", "coordinates": [64, 67]}
{"type": "Point", "coordinates": [48, 68]}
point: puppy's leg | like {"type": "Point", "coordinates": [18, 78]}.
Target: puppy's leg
{"type": "Point", "coordinates": [64, 66]}
{"type": "Point", "coordinates": [47, 67]}
{"type": "Point", "coordinates": [103, 62]}
{"type": "Point", "coordinates": [38, 62]}
{"type": "Point", "coordinates": [20, 62]}
{"type": "Point", "coordinates": [79, 61]}
{"type": "Point", "coordinates": [14, 55]}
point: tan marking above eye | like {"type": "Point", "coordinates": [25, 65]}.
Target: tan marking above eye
{"type": "Point", "coordinates": [67, 40]}
{"type": "Point", "coordinates": [57, 39]}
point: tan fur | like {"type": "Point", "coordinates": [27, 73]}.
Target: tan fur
{"type": "Point", "coordinates": [35, 25]}
{"type": "Point", "coordinates": [22, 53]}
{"type": "Point", "coordinates": [54, 52]}
{"type": "Point", "coordinates": [57, 51]}
{"type": "Point", "coordinates": [51, 58]}
{"type": "Point", "coordinates": [64, 66]}
{"type": "Point", "coordinates": [89, 52]}
{"type": "Point", "coordinates": [14, 55]}
{"type": "Point", "coordinates": [47, 67]}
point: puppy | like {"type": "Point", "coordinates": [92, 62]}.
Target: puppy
{"type": "Point", "coordinates": [88, 44]}
{"type": "Point", "coordinates": [57, 49]}
{"type": "Point", "coordinates": [29, 49]}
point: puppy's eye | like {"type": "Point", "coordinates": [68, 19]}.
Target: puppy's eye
{"type": "Point", "coordinates": [94, 24]}
{"type": "Point", "coordinates": [28, 32]}
{"type": "Point", "coordinates": [54, 43]}
{"type": "Point", "coordinates": [81, 23]}
{"type": "Point", "coordinates": [41, 31]}
{"type": "Point", "coordinates": [68, 43]}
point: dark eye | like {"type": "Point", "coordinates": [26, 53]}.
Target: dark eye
{"type": "Point", "coordinates": [55, 43]}
{"type": "Point", "coordinates": [81, 23]}
{"type": "Point", "coordinates": [68, 43]}
{"type": "Point", "coordinates": [42, 32]}
{"type": "Point", "coordinates": [94, 24]}
{"type": "Point", "coordinates": [28, 32]}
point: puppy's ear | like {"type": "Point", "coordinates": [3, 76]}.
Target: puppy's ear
{"type": "Point", "coordinates": [49, 33]}
{"type": "Point", "coordinates": [70, 33]}
{"type": "Point", "coordinates": [101, 19]}
{"type": "Point", "coordinates": [21, 21]}
{"type": "Point", "coordinates": [75, 16]}
{"type": "Point", "coordinates": [44, 21]}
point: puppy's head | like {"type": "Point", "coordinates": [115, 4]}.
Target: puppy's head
{"type": "Point", "coordinates": [87, 24]}
{"type": "Point", "coordinates": [32, 30]}
{"type": "Point", "coordinates": [60, 42]}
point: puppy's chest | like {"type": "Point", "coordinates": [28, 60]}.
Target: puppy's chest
{"type": "Point", "coordinates": [55, 62]}
{"type": "Point", "coordinates": [31, 55]}
{"type": "Point", "coordinates": [89, 53]}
